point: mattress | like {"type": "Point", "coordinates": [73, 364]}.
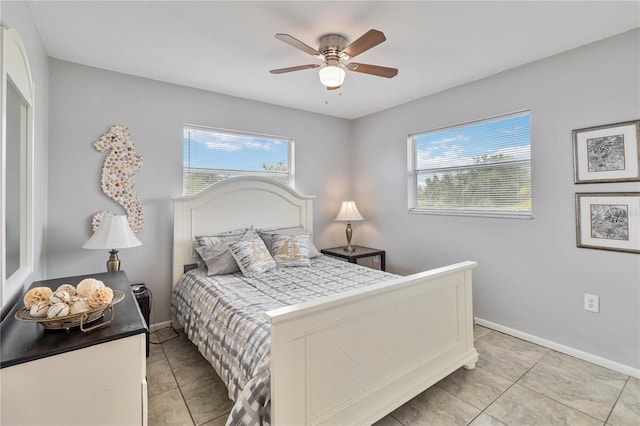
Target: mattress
{"type": "Point", "coordinates": [223, 316]}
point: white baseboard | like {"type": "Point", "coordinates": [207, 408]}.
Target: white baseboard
{"type": "Point", "coordinates": [594, 359]}
{"type": "Point", "coordinates": [160, 326]}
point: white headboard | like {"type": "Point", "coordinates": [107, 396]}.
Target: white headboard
{"type": "Point", "coordinates": [231, 204]}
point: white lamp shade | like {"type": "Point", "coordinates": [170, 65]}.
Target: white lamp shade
{"type": "Point", "coordinates": [113, 233]}
{"type": "Point", "coordinates": [349, 212]}
{"type": "Point", "coordinates": [331, 75]}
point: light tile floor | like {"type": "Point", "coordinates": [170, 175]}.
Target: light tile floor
{"type": "Point", "coordinates": [514, 383]}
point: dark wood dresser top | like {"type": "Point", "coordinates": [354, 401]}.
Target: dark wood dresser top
{"type": "Point", "coordinates": [23, 341]}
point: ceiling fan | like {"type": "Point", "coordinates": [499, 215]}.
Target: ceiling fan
{"type": "Point", "coordinates": [334, 53]}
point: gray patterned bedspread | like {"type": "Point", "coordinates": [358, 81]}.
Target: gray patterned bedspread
{"type": "Point", "coordinates": [224, 317]}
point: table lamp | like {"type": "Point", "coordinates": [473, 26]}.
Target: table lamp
{"type": "Point", "coordinates": [113, 233]}
{"type": "Point", "coordinates": [349, 213]}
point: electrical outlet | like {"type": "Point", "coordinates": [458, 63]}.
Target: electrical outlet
{"type": "Point", "coordinates": [591, 303]}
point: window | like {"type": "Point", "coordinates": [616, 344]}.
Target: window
{"type": "Point", "coordinates": [16, 174]}
{"type": "Point", "coordinates": [481, 168]}
{"type": "Point", "coordinates": [211, 155]}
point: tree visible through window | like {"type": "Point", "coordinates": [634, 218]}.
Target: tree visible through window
{"type": "Point", "coordinates": [479, 168]}
{"type": "Point", "coordinates": [211, 155]}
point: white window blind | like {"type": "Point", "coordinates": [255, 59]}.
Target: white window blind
{"type": "Point", "coordinates": [211, 155]}
{"type": "Point", "coordinates": [478, 168]}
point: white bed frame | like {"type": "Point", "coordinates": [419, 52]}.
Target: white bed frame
{"type": "Point", "coordinates": [351, 358]}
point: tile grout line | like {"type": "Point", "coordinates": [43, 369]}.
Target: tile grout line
{"type": "Point", "coordinates": [195, 423]}
{"type": "Point", "coordinates": [184, 400]}
{"type": "Point", "coordinates": [563, 404]}
{"type": "Point", "coordinates": [553, 399]}
{"type": "Point", "coordinates": [613, 407]}
{"type": "Point", "coordinates": [513, 383]}
{"type": "Point", "coordinates": [483, 410]}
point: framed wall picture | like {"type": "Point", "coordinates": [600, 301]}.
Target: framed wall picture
{"type": "Point", "coordinates": [608, 221]}
{"type": "Point", "coordinates": [607, 153]}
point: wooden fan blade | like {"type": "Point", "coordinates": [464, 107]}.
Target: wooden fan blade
{"type": "Point", "coordinates": [297, 44]}
{"type": "Point", "coordinates": [298, 68]}
{"type": "Point", "coordinates": [365, 42]}
{"type": "Point", "coordinates": [373, 70]}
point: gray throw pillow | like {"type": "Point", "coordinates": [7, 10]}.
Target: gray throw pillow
{"type": "Point", "coordinates": [218, 259]}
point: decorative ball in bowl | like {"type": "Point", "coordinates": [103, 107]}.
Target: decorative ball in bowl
{"type": "Point", "coordinates": [70, 306]}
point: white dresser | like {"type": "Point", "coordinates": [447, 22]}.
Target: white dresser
{"type": "Point", "coordinates": [75, 378]}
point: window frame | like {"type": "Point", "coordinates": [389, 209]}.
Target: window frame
{"type": "Point", "coordinates": [16, 72]}
{"type": "Point", "coordinates": [414, 172]}
{"type": "Point", "coordinates": [290, 174]}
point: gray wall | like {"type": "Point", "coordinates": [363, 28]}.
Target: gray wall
{"type": "Point", "coordinates": [18, 15]}
{"type": "Point", "coordinates": [86, 101]}
{"type": "Point", "coordinates": [531, 277]}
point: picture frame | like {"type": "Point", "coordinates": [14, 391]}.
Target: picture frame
{"type": "Point", "coordinates": [608, 221]}
{"type": "Point", "coordinates": [609, 153]}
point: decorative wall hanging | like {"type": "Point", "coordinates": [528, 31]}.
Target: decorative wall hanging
{"type": "Point", "coordinates": [608, 221]}
{"type": "Point", "coordinates": [607, 153]}
{"type": "Point", "coordinates": [118, 172]}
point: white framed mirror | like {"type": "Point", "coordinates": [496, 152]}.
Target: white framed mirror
{"type": "Point", "coordinates": [16, 159]}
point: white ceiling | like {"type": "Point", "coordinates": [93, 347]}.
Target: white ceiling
{"type": "Point", "coordinates": [229, 47]}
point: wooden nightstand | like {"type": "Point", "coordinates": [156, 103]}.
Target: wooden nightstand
{"type": "Point", "coordinates": [99, 376]}
{"type": "Point", "coordinates": [358, 253]}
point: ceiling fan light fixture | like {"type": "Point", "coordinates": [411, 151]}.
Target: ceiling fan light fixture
{"type": "Point", "coordinates": [333, 51]}
{"type": "Point", "coordinates": [332, 75]}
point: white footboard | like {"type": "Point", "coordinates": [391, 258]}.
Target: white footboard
{"type": "Point", "coordinates": [353, 358]}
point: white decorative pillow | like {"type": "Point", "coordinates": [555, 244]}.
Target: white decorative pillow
{"type": "Point", "coordinates": [252, 256]}
{"type": "Point", "coordinates": [268, 234]}
{"type": "Point", "coordinates": [290, 250]}
{"type": "Point", "coordinates": [218, 259]}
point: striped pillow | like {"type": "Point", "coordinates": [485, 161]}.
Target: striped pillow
{"type": "Point", "coordinates": [252, 256]}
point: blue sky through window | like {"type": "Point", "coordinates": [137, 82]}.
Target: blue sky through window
{"type": "Point", "coordinates": [213, 149]}
{"type": "Point", "coordinates": [458, 146]}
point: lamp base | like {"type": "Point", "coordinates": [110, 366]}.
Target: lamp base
{"type": "Point", "coordinates": [113, 264]}
{"type": "Point", "coordinates": [349, 232]}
